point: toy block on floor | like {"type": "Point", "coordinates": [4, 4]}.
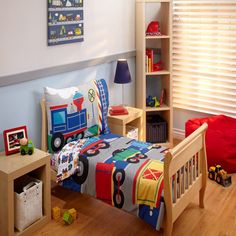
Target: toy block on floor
{"type": "Point", "coordinates": [73, 213]}
{"type": "Point", "coordinates": [56, 213]}
{"type": "Point", "coordinates": [67, 218]}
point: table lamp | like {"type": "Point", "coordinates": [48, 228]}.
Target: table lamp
{"type": "Point", "coordinates": [122, 75]}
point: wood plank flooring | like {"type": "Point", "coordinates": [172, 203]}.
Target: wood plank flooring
{"type": "Point", "coordinates": [98, 218]}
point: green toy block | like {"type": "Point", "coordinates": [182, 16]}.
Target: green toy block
{"type": "Point", "coordinates": [67, 218]}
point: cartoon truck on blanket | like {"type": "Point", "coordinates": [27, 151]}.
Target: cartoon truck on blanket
{"type": "Point", "coordinates": [67, 126]}
{"type": "Point", "coordinates": [91, 148]}
{"type": "Point", "coordinates": [130, 155]}
{"type": "Point", "coordinates": [133, 153]}
{"type": "Point", "coordinates": [93, 145]}
{"type": "Point", "coordinates": [109, 180]}
{"type": "Point", "coordinates": [149, 174]}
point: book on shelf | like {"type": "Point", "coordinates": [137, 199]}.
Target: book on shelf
{"type": "Point", "coordinates": [162, 97]}
{"type": "Point", "coordinates": [153, 60]}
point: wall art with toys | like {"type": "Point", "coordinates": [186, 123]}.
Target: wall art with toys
{"type": "Point", "coordinates": [65, 21]}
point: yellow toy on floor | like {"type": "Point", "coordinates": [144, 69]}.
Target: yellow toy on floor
{"type": "Point", "coordinates": [69, 216]}
{"type": "Point", "coordinates": [56, 212]}
{"type": "Point", "coordinates": [73, 213]}
{"type": "Point", "coordinates": [218, 174]}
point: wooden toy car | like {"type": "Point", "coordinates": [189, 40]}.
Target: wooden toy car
{"type": "Point", "coordinates": [219, 175]}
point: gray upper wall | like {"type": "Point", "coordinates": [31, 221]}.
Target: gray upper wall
{"type": "Point", "coordinates": [109, 29]}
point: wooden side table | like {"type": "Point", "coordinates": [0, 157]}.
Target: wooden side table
{"type": "Point", "coordinates": [118, 124]}
{"type": "Point", "coordinates": [13, 167]}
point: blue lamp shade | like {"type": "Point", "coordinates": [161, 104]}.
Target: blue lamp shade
{"type": "Point", "coordinates": [122, 75]}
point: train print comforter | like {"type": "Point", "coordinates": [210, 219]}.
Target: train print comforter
{"type": "Point", "coordinates": [122, 172]}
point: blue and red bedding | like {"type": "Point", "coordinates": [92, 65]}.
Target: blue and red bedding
{"type": "Point", "coordinates": [122, 172]}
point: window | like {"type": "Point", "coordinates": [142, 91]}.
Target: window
{"type": "Point", "coordinates": [204, 55]}
{"type": "Point", "coordinates": [59, 117]}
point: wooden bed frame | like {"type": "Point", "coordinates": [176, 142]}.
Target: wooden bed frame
{"type": "Point", "coordinates": [185, 172]}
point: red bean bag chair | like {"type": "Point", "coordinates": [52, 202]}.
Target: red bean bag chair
{"type": "Point", "coordinates": [220, 140]}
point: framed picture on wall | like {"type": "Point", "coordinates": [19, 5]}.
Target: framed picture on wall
{"type": "Point", "coordinates": [65, 21]}
{"type": "Point", "coordinates": [12, 139]}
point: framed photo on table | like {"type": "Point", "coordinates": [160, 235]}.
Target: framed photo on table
{"type": "Point", "coordinates": [12, 139]}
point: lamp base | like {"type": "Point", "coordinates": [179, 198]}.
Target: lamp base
{"type": "Point", "coordinates": [118, 110]}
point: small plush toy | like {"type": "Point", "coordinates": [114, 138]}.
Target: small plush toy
{"type": "Point", "coordinates": [26, 146]}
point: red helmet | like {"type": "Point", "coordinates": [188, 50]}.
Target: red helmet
{"type": "Point", "coordinates": [153, 28]}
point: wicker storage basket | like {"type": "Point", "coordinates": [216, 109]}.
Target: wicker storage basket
{"type": "Point", "coordinates": [156, 129]}
{"type": "Point", "coordinates": [28, 201]}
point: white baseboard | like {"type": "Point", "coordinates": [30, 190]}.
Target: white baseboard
{"type": "Point", "coordinates": [179, 134]}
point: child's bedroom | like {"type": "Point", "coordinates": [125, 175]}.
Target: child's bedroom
{"type": "Point", "coordinates": [118, 117]}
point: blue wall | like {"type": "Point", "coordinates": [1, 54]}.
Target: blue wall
{"type": "Point", "coordinates": [20, 103]}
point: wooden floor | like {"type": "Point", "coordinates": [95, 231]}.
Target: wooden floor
{"type": "Point", "coordinates": [98, 218]}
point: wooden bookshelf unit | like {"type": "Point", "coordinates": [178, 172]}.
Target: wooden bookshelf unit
{"type": "Point", "coordinates": [149, 82]}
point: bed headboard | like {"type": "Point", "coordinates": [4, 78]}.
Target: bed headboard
{"type": "Point", "coordinates": [44, 143]}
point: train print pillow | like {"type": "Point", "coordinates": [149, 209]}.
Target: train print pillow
{"type": "Point", "coordinates": [76, 112]}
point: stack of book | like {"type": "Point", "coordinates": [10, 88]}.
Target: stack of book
{"type": "Point", "coordinates": [153, 60]}
{"type": "Point", "coordinates": [118, 110]}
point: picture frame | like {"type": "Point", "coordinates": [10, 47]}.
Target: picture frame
{"type": "Point", "coordinates": [12, 139]}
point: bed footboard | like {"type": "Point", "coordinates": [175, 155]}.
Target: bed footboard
{"type": "Point", "coordinates": [185, 175]}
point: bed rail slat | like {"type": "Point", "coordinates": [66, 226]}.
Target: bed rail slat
{"type": "Point", "coordinates": [175, 188]}
{"type": "Point", "coordinates": [191, 162]}
{"type": "Point", "coordinates": [184, 179]}
{"type": "Point", "coordinates": [179, 184]}
{"type": "Point", "coordinates": [199, 163]}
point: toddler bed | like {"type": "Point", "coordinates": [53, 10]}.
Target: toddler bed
{"type": "Point", "coordinates": [135, 176]}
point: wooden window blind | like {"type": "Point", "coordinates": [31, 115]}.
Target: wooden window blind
{"type": "Point", "coordinates": [204, 56]}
